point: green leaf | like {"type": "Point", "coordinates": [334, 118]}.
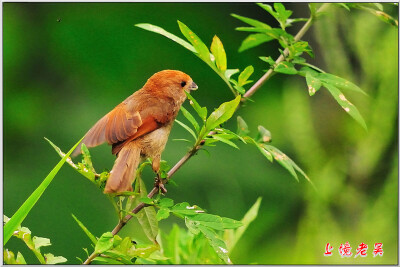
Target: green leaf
{"type": "Point", "coordinates": [217, 244]}
{"type": "Point", "coordinates": [285, 67]}
{"type": "Point", "coordinates": [269, 60]}
{"type": "Point", "coordinates": [217, 49]}
{"type": "Point", "coordinates": [190, 118]}
{"type": "Point", "coordinates": [147, 216]}
{"type": "Point", "coordinates": [87, 158]}
{"type": "Point", "coordinates": [184, 208]}
{"type": "Point", "coordinates": [201, 48]}
{"type": "Point", "coordinates": [224, 140]}
{"type": "Point", "coordinates": [187, 128]}
{"type": "Point", "coordinates": [340, 83]}
{"type": "Point", "coordinates": [8, 257]}
{"type": "Point", "coordinates": [159, 30]}
{"type": "Point", "coordinates": [245, 75]}
{"type": "Point", "coordinates": [264, 134]}
{"type": "Point", "coordinates": [248, 218]}
{"type": "Point", "coordinates": [87, 232]}
{"type": "Point", "coordinates": [252, 22]}
{"type": "Point", "coordinates": [230, 72]}
{"type": "Point", "coordinates": [51, 259]}
{"type": "Point", "coordinates": [166, 202]}
{"type": "Point", "coordinates": [223, 113]}
{"type": "Point", "coordinates": [254, 40]}
{"type": "Point", "coordinates": [313, 83]}
{"type": "Point", "coordinates": [104, 243]}
{"type": "Point", "coordinates": [23, 211]}
{"type": "Point", "coordinates": [282, 159]}
{"type": "Point", "coordinates": [21, 260]}
{"type": "Point", "coordinates": [228, 223]}
{"type": "Point", "coordinates": [345, 104]}
{"type": "Point", "coordinates": [242, 128]}
{"type": "Point", "coordinates": [209, 220]}
{"type": "Point", "coordinates": [146, 200]}
{"type": "Point", "coordinates": [162, 213]}
{"type": "Point", "coordinates": [40, 242]}
{"type": "Point", "coordinates": [201, 111]}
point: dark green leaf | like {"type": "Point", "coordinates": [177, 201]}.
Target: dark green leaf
{"type": "Point", "coordinates": [217, 49]}
{"type": "Point", "coordinates": [254, 40]}
{"type": "Point", "coordinates": [87, 232]}
{"type": "Point", "coordinates": [345, 104]}
{"type": "Point", "coordinates": [286, 68]}
{"type": "Point", "coordinates": [161, 31]}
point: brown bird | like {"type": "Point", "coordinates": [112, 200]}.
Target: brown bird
{"type": "Point", "coordinates": [139, 127]}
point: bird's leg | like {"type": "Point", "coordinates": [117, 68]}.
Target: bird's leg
{"type": "Point", "coordinates": [156, 168]}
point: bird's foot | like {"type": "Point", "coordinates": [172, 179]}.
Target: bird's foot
{"type": "Point", "coordinates": [159, 183]}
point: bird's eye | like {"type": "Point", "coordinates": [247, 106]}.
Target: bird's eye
{"type": "Point", "coordinates": [183, 84]}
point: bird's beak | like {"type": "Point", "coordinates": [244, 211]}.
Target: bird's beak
{"type": "Point", "coordinates": [193, 86]}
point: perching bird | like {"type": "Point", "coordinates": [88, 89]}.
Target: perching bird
{"type": "Point", "coordinates": [139, 127]}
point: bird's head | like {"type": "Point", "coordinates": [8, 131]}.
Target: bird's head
{"type": "Point", "coordinates": [172, 83]}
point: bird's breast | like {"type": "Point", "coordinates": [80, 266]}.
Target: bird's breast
{"type": "Point", "coordinates": [153, 144]}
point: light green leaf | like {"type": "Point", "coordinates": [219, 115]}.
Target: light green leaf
{"type": "Point", "coordinates": [245, 75]}
{"type": "Point", "coordinates": [345, 104]}
{"type": "Point", "coordinates": [313, 83]}
{"type": "Point", "coordinates": [87, 232]}
{"type": "Point", "coordinates": [340, 83]}
{"type": "Point", "coordinates": [230, 72]}
{"type": "Point", "coordinates": [242, 128]}
{"type": "Point", "coordinates": [269, 60]}
{"type": "Point", "coordinates": [8, 256]}
{"type": "Point", "coordinates": [217, 49]}
{"type": "Point", "coordinates": [254, 40]}
{"type": "Point", "coordinates": [162, 213]}
{"type": "Point", "coordinates": [40, 242]}
{"type": "Point", "coordinates": [166, 202]}
{"type": "Point", "coordinates": [285, 67]}
{"type": "Point", "coordinates": [252, 22]}
{"type": "Point", "coordinates": [159, 30]}
{"type": "Point", "coordinates": [224, 140]}
{"type": "Point", "coordinates": [223, 113]}
{"type": "Point", "coordinates": [184, 208]}
{"type": "Point", "coordinates": [192, 226]}
{"type": "Point", "coordinates": [217, 244]}
{"type": "Point", "coordinates": [190, 118]}
{"type": "Point", "coordinates": [21, 260]}
{"type": "Point", "coordinates": [201, 48]}
{"type": "Point", "coordinates": [23, 211]}
{"type": "Point", "coordinates": [264, 134]}
{"type": "Point", "coordinates": [51, 259]}
{"type": "Point", "coordinates": [104, 243]}
{"type": "Point", "coordinates": [209, 220]}
{"type": "Point", "coordinates": [146, 200]}
{"type": "Point", "coordinates": [228, 223]}
{"type": "Point", "coordinates": [187, 128]}
{"type": "Point", "coordinates": [201, 111]}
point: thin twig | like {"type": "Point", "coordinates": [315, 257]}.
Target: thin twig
{"type": "Point", "coordinates": [198, 146]}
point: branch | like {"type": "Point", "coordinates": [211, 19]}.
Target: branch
{"type": "Point", "coordinates": [197, 147]}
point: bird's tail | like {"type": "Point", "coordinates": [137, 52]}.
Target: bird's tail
{"type": "Point", "coordinates": [124, 170]}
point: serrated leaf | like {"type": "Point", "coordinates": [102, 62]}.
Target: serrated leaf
{"type": "Point", "coordinates": [190, 118]}
{"type": "Point", "coordinates": [147, 216]}
{"type": "Point", "coordinates": [242, 128]}
{"type": "Point", "coordinates": [345, 104]}
{"type": "Point", "coordinates": [87, 232]}
{"type": "Point", "coordinates": [245, 75]}
{"type": "Point", "coordinates": [104, 243]}
{"type": "Point", "coordinates": [223, 113]}
{"type": "Point", "coordinates": [199, 46]}
{"type": "Point", "coordinates": [254, 40]}
{"type": "Point", "coordinates": [159, 30]}
{"type": "Point", "coordinates": [313, 83]}
{"type": "Point", "coordinates": [187, 128]}
{"type": "Point", "coordinates": [162, 213]}
{"type": "Point", "coordinates": [252, 22]}
{"type": "Point", "coordinates": [286, 68]}
{"type": "Point", "coordinates": [217, 49]}
{"type": "Point", "coordinates": [226, 141]}
{"type": "Point", "coordinates": [51, 259]}
{"type": "Point", "coordinates": [201, 111]}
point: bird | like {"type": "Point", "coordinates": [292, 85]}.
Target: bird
{"type": "Point", "coordinates": [138, 128]}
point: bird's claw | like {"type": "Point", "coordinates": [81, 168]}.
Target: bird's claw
{"type": "Point", "coordinates": [159, 183]}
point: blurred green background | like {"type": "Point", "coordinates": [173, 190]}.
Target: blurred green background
{"type": "Point", "coordinates": [67, 64]}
